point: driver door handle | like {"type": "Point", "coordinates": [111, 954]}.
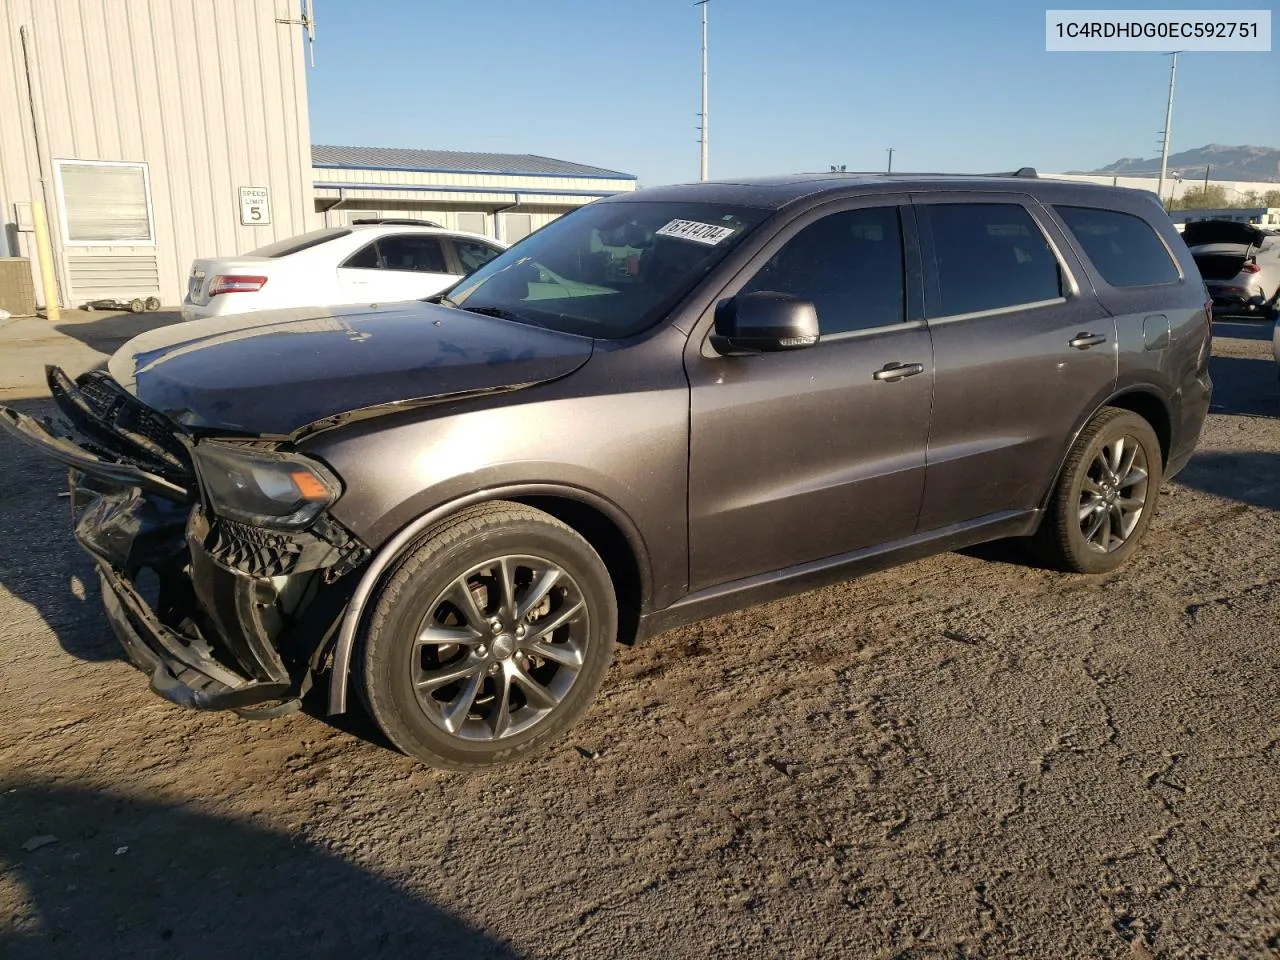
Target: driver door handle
{"type": "Point", "coordinates": [1083, 341]}
{"type": "Point", "coordinates": [897, 371]}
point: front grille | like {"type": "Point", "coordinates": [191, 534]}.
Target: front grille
{"type": "Point", "coordinates": [241, 547]}
{"type": "Point", "coordinates": [257, 552]}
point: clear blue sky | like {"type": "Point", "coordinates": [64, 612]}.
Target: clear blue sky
{"type": "Point", "coordinates": [795, 85]}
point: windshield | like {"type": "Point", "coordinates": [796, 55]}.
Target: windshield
{"type": "Point", "coordinates": [607, 270]}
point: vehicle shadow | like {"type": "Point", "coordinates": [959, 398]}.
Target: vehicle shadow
{"type": "Point", "coordinates": [133, 877]}
{"type": "Point", "coordinates": [40, 562]}
{"type": "Point", "coordinates": [1245, 386]}
{"type": "Point", "coordinates": [1247, 476]}
{"type": "Point", "coordinates": [108, 332]}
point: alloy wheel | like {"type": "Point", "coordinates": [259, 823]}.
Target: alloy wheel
{"type": "Point", "coordinates": [1113, 494]}
{"type": "Point", "coordinates": [500, 648]}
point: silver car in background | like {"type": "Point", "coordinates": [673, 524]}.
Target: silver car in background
{"type": "Point", "coordinates": [1240, 264]}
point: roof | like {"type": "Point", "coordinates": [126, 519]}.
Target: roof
{"type": "Point", "coordinates": [455, 161]}
{"type": "Point", "coordinates": [777, 192]}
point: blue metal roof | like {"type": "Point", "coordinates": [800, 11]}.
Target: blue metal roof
{"type": "Point", "coordinates": [454, 161]}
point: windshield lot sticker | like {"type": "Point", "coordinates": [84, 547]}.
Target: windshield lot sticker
{"type": "Point", "coordinates": [707, 233]}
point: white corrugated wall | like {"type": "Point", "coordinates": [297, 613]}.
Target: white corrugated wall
{"type": "Point", "coordinates": [209, 94]}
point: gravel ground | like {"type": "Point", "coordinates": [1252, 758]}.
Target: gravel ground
{"type": "Point", "coordinates": [962, 757]}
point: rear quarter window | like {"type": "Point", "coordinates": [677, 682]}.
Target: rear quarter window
{"type": "Point", "coordinates": [1123, 248]}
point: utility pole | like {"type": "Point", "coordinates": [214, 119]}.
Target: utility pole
{"type": "Point", "coordinates": [1206, 178]}
{"type": "Point", "coordinates": [703, 127]}
{"type": "Point", "coordinates": [890, 170]}
{"type": "Point", "coordinates": [1168, 122]}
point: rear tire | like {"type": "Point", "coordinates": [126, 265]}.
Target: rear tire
{"type": "Point", "coordinates": [489, 639]}
{"type": "Point", "coordinates": [1105, 496]}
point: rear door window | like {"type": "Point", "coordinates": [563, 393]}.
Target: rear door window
{"type": "Point", "coordinates": [407, 253]}
{"type": "Point", "coordinates": [413, 253]}
{"type": "Point", "coordinates": [1123, 248]}
{"type": "Point", "coordinates": [989, 256]}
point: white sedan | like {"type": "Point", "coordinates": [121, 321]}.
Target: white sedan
{"type": "Point", "coordinates": [363, 263]}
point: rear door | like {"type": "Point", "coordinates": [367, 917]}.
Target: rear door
{"type": "Point", "coordinates": [807, 454]}
{"type": "Point", "coordinates": [395, 267]}
{"type": "Point", "coordinates": [1021, 350]}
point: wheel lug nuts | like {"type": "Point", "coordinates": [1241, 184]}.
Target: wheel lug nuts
{"type": "Point", "coordinates": [482, 650]}
{"type": "Point", "coordinates": [494, 668]}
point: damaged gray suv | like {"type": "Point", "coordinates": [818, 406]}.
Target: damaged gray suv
{"type": "Point", "coordinates": [663, 406]}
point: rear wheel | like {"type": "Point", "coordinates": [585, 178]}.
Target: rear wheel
{"type": "Point", "coordinates": [490, 639]}
{"type": "Point", "coordinates": [1105, 497]}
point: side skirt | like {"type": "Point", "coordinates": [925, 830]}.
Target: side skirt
{"type": "Point", "coordinates": [766, 587]}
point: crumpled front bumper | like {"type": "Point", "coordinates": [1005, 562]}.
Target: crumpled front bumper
{"type": "Point", "coordinates": [215, 613]}
{"type": "Point", "coordinates": [206, 668]}
{"type": "Point", "coordinates": [179, 672]}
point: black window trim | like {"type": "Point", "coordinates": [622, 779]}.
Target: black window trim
{"type": "Point", "coordinates": [913, 280]}
{"type": "Point", "coordinates": [1094, 273]}
{"type": "Point", "coordinates": [1039, 216]}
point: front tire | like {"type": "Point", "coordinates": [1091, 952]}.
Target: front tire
{"type": "Point", "coordinates": [1105, 497]}
{"type": "Point", "coordinates": [490, 639]}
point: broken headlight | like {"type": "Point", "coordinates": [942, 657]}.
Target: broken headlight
{"type": "Point", "coordinates": [263, 487]}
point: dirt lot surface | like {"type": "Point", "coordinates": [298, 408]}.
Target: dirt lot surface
{"type": "Point", "coordinates": [961, 757]}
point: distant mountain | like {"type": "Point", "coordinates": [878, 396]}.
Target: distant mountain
{"type": "Point", "coordinates": [1226, 163]}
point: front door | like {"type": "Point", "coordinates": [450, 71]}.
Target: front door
{"type": "Point", "coordinates": [801, 455]}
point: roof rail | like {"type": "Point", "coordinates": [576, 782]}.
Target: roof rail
{"type": "Point", "coordinates": [1028, 173]}
{"type": "Point", "coordinates": [394, 221]}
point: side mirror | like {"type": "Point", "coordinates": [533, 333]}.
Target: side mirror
{"type": "Point", "coordinates": [764, 322]}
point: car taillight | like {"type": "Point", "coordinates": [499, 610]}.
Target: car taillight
{"type": "Point", "coordinates": [1251, 268]}
{"type": "Point", "coordinates": [234, 283]}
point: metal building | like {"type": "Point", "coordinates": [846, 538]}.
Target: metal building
{"type": "Point", "coordinates": [158, 131]}
{"type": "Point", "coordinates": [154, 131]}
{"type": "Point", "coordinates": [506, 196]}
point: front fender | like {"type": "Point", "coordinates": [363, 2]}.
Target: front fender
{"type": "Point", "coordinates": [404, 539]}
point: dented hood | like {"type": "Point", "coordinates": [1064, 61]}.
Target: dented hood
{"type": "Point", "coordinates": [278, 372]}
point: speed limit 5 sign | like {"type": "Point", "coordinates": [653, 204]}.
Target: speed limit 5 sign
{"type": "Point", "coordinates": [255, 206]}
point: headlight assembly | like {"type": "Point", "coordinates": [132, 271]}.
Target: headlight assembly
{"type": "Point", "coordinates": [263, 487]}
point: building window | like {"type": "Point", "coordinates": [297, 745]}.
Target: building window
{"type": "Point", "coordinates": [472, 223]}
{"type": "Point", "coordinates": [516, 226]}
{"type": "Point", "coordinates": [105, 202]}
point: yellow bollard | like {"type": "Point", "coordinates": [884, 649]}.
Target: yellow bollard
{"type": "Point", "coordinates": [44, 253]}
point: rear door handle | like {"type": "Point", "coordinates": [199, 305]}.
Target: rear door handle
{"type": "Point", "coordinates": [897, 371]}
{"type": "Point", "coordinates": [1083, 341]}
